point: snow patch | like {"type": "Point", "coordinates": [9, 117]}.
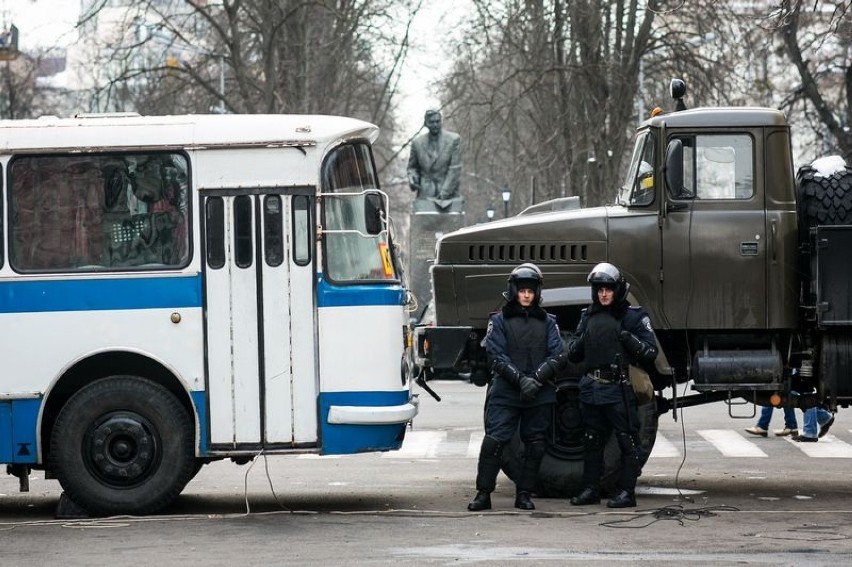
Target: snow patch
{"type": "Point", "coordinates": [828, 166]}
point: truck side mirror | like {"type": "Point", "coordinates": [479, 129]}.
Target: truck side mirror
{"type": "Point", "coordinates": [674, 169]}
{"type": "Point", "coordinates": [374, 209]}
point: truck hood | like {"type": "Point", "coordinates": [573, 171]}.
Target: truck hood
{"type": "Point", "coordinates": [586, 226]}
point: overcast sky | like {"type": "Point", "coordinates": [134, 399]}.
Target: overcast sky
{"type": "Point", "coordinates": [46, 23]}
{"type": "Point", "coordinates": [41, 23]}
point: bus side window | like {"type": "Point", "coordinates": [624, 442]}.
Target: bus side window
{"type": "Point", "coordinates": [56, 213]}
{"type": "Point", "coordinates": [243, 231]}
{"type": "Point", "coordinates": [273, 231]}
{"type": "Point", "coordinates": [301, 230]}
{"type": "Point", "coordinates": [215, 229]}
{"type": "Point", "coordinates": [146, 210]}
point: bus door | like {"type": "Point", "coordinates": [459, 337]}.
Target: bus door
{"type": "Point", "coordinates": [260, 324]}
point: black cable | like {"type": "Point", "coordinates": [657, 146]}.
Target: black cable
{"type": "Point", "coordinates": [675, 513]}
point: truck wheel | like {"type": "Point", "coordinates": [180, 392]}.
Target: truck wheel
{"type": "Point", "coordinates": [122, 445]}
{"type": "Point", "coordinates": [561, 471]}
{"type": "Point", "coordinates": [823, 200]}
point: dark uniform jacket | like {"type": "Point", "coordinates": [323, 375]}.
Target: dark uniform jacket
{"type": "Point", "coordinates": [523, 338]}
{"type": "Point", "coordinates": [599, 328]}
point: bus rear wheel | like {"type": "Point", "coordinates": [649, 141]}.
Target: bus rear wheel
{"type": "Point", "coordinates": [122, 445]}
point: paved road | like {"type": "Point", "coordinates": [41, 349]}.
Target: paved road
{"type": "Point", "coordinates": [710, 495]}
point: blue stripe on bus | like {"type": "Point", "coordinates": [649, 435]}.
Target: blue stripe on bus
{"type": "Point", "coordinates": [18, 424]}
{"type": "Point", "coordinates": [347, 439]}
{"type": "Point", "coordinates": [97, 294]}
{"type": "Point", "coordinates": [199, 400]}
{"type": "Point", "coordinates": [331, 295]}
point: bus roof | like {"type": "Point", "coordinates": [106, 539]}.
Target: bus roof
{"type": "Point", "coordinates": [102, 131]}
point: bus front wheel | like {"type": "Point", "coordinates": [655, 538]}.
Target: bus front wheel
{"type": "Point", "coordinates": [122, 445]}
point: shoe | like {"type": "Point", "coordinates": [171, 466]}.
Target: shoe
{"type": "Point", "coordinates": [588, 496]}
{"type": "Point", "coordinates": [803, 439]}
{"type": "Point", "coordinates": [523, 502]}
{"type": "Point", "coordinates": [624, 499]}
{"type": "Point", "coordinates": [759, 431]}
{"type": "Point", "coordinates": [824, 428]}
{"type": "Point", "coordinates": [785, 432]}
{"type": "Point", "coordinates": [482, 501]}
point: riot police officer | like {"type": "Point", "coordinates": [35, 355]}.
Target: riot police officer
{"type": "Point", "coordinates": [611, 334]}
{"type": "Point", "coordinates": [522, 343]}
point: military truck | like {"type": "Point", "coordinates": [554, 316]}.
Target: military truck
{"type": "Point", "coordinates": [742, 265]}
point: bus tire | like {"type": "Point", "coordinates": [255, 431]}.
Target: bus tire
{"type": "Point", "coordinates": [561, 472]}
{"type": "Point", "coordinates": [122, 445]}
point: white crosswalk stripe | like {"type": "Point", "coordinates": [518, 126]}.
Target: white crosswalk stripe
{"type": "Point", "coordinates": [474, 445]}
{"type": "Point", "coordinates": [728, 442]}
{"type": "Point", "coordinates": [731, 443]}
{"type": "Point", "coordinates": [418, 445]}
{"type": "Point", "coordinates": [663, 448]}
{"type": "Point", "coordinates": [828, 447]}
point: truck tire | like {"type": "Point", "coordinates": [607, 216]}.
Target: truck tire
{"type": "Point", "coordinates": [819, 201]}
{"type": "Point", "coordinates": [122, 445]}
{"type": "Point", "coordinates": [561, 471]}
{"type": "Point", "coordinates": [823, 200]}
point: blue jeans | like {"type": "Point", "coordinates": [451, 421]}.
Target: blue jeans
{"type": "Point", "coordinates": [815, 418]}
{"type": "Point", "coordinates": [766, 416]}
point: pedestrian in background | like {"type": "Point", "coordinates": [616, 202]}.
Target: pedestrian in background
{"type": "Point", "coordinates": [791, 426]}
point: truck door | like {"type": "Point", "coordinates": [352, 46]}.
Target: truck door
{"type": "Point", "coordinates": [260, 324]}
{"type": "Point", "coordinates": [714, 237]}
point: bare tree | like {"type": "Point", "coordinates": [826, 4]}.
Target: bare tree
{"type": "Point", "coordinates": [545, 93]}
{"type": "Point", "coordinates": [817, 38]}
{"type": "Point", "coordinates": [21, 94]}
{"type": "Point", "coordinates": [247, 56]}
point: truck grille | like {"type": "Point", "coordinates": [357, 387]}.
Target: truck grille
{"type": "Point", "coordinates": [541, 253]}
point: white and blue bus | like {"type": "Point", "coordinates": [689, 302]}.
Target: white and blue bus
{"type": "Point", "coordinates": [176, 290]}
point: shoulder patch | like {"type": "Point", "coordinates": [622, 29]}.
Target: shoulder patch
{"type": "Point", "coordinates": [646, 322]}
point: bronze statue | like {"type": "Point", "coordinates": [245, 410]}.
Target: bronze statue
{"type": "Point", "coordinates": [434, 168]}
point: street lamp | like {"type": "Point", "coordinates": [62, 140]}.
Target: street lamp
{"type": "Point", "coordinates": [489, 212]}
{"type": "Point", "coordinates": [507, 194]}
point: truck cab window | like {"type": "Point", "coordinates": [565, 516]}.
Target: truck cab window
{"type": "Point", "coordinates": [718, 166]}
{"type": "Point", "coordinates": [639, 188]}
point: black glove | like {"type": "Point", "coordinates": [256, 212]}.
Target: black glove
{"type": "Point", "coordinates": [576, 349]}
{"type": "Point", "coordinates": [550, 368]}
{"type": "Point", "coordinates": [637, 348]}
{"type": "Point", "coordinates": [529, 388]}
{"type": "Point", "coordinates": [509, 373]}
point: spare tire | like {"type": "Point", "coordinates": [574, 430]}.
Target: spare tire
{"type": "Point", "coordinates": [820, 200]}
{"type": "Point", "coordinates": [561, 471]}
{"type": "Point", "coordinates": [823, 200]}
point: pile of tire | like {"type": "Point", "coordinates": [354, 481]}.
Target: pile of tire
{"type": "Point", "coordinates": [824, 199]}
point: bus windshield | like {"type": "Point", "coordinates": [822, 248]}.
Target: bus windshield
{"type": "Point", "coordinates": [355, 249]}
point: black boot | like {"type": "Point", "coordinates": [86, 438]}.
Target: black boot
{"type": "Point", "coordinates": [523, 501]}
{"type": "Point", "coordinates": [488, 468]}
{"type": "Point", "coordinates": [624, 499]}
{"type": "Point", "coordinates": [588, 496]}
{"type": "Point", "coordinates": [482, 501]}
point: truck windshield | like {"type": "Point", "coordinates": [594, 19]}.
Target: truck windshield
{"type": "Point", "coordinates": [639, 185]}
{"type": "Point", "coordinates": [357, 243]}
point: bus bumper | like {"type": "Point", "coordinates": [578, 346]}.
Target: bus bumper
{"type": "Point", "coordinates": [367, 415]}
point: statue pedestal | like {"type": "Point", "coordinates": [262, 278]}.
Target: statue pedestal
{"type": "Point", "coordinates": [426, 228]}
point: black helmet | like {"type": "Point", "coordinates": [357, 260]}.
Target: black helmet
{"type": "Point", "coordinates": [605, 274]}
{"type": "Point", "coordinates": [525, 276]}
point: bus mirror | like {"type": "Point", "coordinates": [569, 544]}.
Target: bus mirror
{"type": "Point", "coordinates": [374, 213]}
{"type": "Point", "coordinates": [674, 168]}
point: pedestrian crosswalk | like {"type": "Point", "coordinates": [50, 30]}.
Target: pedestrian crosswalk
{"type": "Point", "coordinates": [726, 443]}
